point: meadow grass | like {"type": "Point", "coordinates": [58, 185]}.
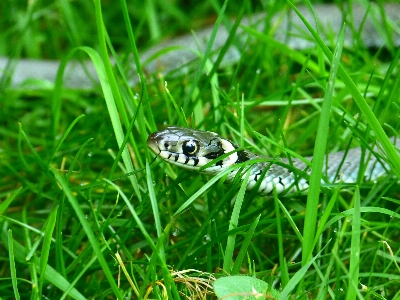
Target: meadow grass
{"type": "Point", "coordinates": [87, 212]}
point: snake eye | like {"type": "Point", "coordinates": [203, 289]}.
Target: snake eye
{"type": "Point", "coordinates": [190, 147]}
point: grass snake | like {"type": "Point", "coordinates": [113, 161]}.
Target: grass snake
{"type": "Point", "coordinates": [193, 149]}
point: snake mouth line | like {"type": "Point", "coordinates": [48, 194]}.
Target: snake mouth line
{"type": "Point", "coordinates": [152, 144]}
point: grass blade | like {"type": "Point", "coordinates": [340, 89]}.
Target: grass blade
{"type": "Point", "coordinates": [13, 271]}
{"type": "Point", "coordinates": [318, 159]}
{"type": "Point", "coordinates": [242, 252]}
{"type": "Point", "coordinates": [6, 203]}
{"type": "Point", "coordinates": [48, 234]}
{"type": "Point", "coordinates": [355, 249]}
{"type": "Point", "coordinates": [296, 278]}
{"type": "Point", "coordinates": [153, 200]}
{"type": "Point", "coordinates": [230, 245]}
{"type": "Point", "coordinates": [282, 261]}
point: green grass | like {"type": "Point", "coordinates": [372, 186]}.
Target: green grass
{"type": "Point", "coordinates": [87, 213]}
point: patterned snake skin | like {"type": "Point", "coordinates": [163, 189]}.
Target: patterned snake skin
{"type": "Point", "coordinates": [193, 149]}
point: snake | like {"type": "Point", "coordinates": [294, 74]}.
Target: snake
{"type": "Point", "coordinates": [210, 154]}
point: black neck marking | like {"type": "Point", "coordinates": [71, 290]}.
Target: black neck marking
{"type": "Point", "coordinates": [242, 156]}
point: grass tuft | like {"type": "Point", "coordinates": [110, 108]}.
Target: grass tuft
{"type": "Point", "coordinates": [87, 212]}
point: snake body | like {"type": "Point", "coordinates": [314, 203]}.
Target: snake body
{"type": "Point", "coordinates": [193, 149]}
{"type": "Point", "coordinates": [368, 18]}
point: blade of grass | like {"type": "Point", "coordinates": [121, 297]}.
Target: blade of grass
{"type": "Point", "coordinates": [153, 200]}
{"type": "Point", "coordinates": [38, 159]}
{"type": "Point", "coordinates": [122, 265]}
{"type": "Point", "coordinates": [291, 221]}
{"type": "Point", "coordinates": [59, 281]}
{"type": "Point", "coordinates": [13, 271]}
{"type": "Point", "coordinates": [371, 209]}
{"type": "Point", "coordinates": [243, 249]}
{"type": "Point", "coordinates": [318, 158]}
{"type": "Point", "coordinates": [6, 203]}
{"type": "Point", "coordinates": [21, 153]}
{"type": "Point", "coordinates": [214, 85]}
{"type": "Point", "coordinates": [326, 214]}
{"type": "Point", "coordinates": [282, 260]}
{"type": "Point", "coordinates": [343, 267]}
{"type": "Point", "coordinates": [325, 288]}
{"type": "Point", "coordinates": [230, 244]}
{"type": "Point", "coordinates": [355, 248]}
{"type": "Point", "coordinates": [21, 253]}
{"type": "Point", "coordinates": [64, 136]}
{"type": "Point", "coordinates": [296, 278]}
{"type": "Point", "coordinates": [179, 112]}
{"type": "Point", "coordinates": [150, 11]}
{"type": "Point", "coordinates": [44, 255]}
{"type": "Point", "coordinates": [56, 101]}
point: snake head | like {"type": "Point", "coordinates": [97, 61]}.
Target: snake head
{"type": "Point", "coordinates": [192, 149]}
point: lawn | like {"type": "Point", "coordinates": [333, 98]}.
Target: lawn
{"type": "Point", "coordinates": [88, 212]}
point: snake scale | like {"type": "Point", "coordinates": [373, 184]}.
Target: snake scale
{"type": "Point", "coordinates": [193, 149]}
